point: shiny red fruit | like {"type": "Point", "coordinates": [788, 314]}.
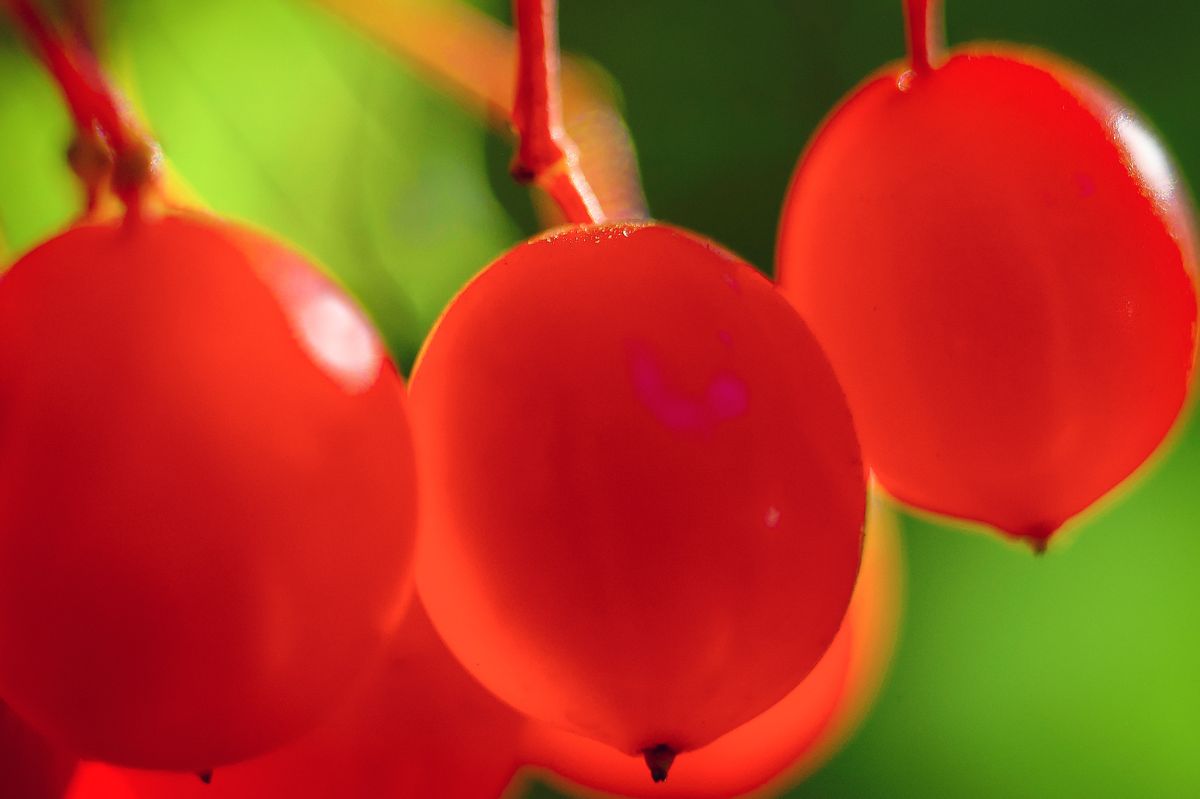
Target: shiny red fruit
{"type": "Point", "coordinates": [206, 492]}
{"type": "Point", "coordinates": [995, 253]}
{"type": "Point", "coordinates": [641, 491]}
{"type": "Point", "coordinates": [418, 727]}
{"type": "Point", "coordinates": [30, 766]}
{"type": "Point", "coordinates": [777, 749]}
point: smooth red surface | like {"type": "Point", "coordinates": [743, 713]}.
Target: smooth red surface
{"type": "Point", "coordinates": [97, 781]}
{"type": "Point", "coordinates": [642, 498]}
{"type": "Point", "coordinates": [778, 748]}
{"type": "Point", "coordinates": [206, 493]}
{"type": "Point", "coordinates": [420, 727]}
{"type": "Point", "coordinates": [996, 256]}
{"type": "Point", "coordinates": [30, 767]}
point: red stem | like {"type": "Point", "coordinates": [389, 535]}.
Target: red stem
{"type": "Point", "coordinates": [926, 34]}
{"type": "Point", "coordinates": [95, 105]}
{"type": "Point", "coordinates": [83, 20]}
{"type": "Point", "coordinates": [545, 153]}
{"type": "Point", "coordinates": [53, 53]}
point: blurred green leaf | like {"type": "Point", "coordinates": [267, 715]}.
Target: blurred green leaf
{"type": "Point", "coordinates": [37, 190]}
{"type": "Point", "coordinates": [277, 114]}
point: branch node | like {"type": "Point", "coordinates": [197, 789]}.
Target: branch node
{"type": "Point", "coordinates": [546, 156]}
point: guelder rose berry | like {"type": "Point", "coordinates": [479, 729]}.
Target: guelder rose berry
{"type": "Point", "coordinates": [206, 492]}
{"type": "Point", "coordinates": [642, 496]}
{"type": "Point", "coordinates": [641, 491]}
{"type": "Point", "coordinates": [997, 255]}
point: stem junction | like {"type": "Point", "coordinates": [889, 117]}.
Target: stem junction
{"type": "Point", "coordinates": [546, 155]}
{"type": "Point", "coordinates": [109, 147]}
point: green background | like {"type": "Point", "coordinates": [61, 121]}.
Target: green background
{"type": "Point", "coordinates": [1074, 674]}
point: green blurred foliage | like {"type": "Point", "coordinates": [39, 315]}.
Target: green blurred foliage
{"type": "Point", "coordinates": [1070, 675]}
{"type": "Point", "coordinates": [37, 192]}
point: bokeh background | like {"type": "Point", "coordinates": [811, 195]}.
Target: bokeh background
{"type": "Point", "coordinates": [1073, 674]}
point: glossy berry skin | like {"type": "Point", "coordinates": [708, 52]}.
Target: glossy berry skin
{"type": "Point", "coordinates": [98, 781]}
{"type": "Point", "coordinates": [780, 747]}
{"type": "Point", "coordinates": [997, 258]}
{"type": "Point", "coordinates": [419, 726]}
{"type": "Point", "coordinates": [641, 491]}
{"type": "Point", "coordinates": [30, 766]}
{"type": "Point", "coordinates": [206, 492]}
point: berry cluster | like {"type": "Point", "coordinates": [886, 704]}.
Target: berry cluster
{"type": "Point", "coordinates": [620, 517]}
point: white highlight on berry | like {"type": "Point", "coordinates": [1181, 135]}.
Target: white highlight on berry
{"type": "Point", "coordinates": [1147, 156]}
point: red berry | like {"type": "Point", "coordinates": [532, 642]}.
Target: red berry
{"type": "Point", "coordinates": [206, 492]}
{"type": "Point", "coordinates": [30, 766]}
{"type": "Point", "coordinates": [418, 727]}
{"type": "Point", "coordinates": [778, 748]}
{"type": "Point", "coordinates": [641, 492]}
{"type": "Point", "coordinates": [995, 254]}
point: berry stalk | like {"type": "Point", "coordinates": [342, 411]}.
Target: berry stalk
{"type": "Point", "coordinates": [546, 155]}
{"type": "Point", "coordinates": [473, 57]}
{"type": "Point", "coordinates": [106, 132]}
{"type": "Point", "coordinates": [84, 19]}
{"type": "Point", "coordinates": [926, 34]}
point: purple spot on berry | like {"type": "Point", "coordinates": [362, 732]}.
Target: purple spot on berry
{"type": "Point", "coordinates": [1086, 184]}
{"type": "Point", "coordinates": [726, 396]}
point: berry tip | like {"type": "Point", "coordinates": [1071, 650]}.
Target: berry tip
{"type": "Point", "coordinates": [658, 760]}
